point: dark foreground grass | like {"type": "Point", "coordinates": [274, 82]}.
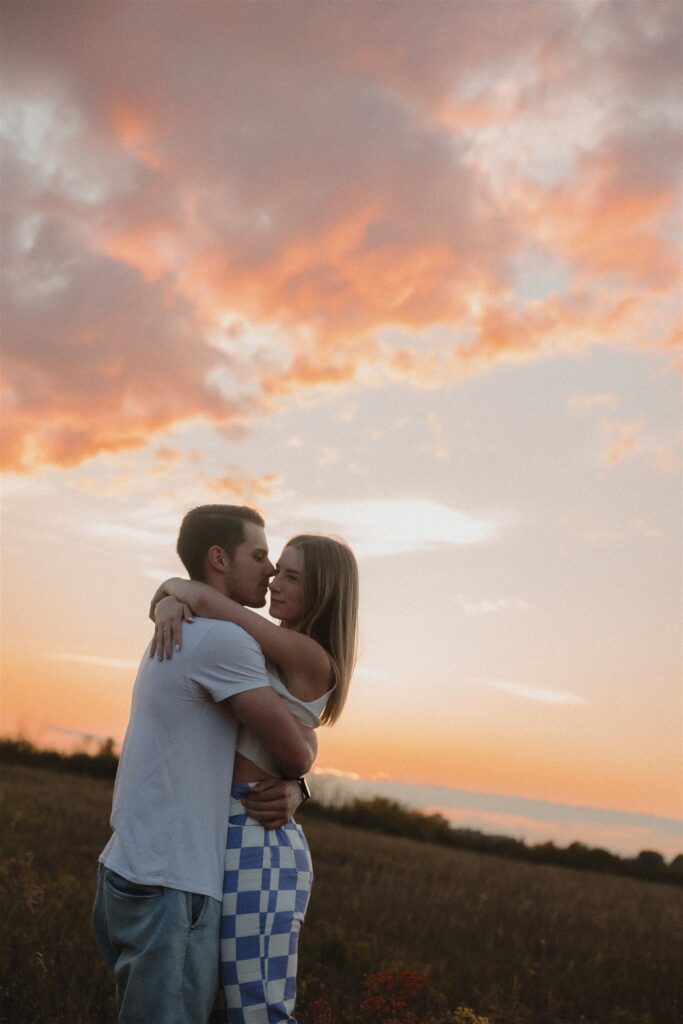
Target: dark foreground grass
{"type": "Point", "coordinates": [517, 943]}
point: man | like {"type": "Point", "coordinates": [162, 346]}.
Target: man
{"type": "Point", "coordinates": [158, 905]}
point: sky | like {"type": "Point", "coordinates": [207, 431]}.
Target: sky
{"type": "Point", "coordinates": [403, 272]}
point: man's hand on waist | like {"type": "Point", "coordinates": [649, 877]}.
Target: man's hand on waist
{"type": "Point", "coordinates": [273, 802]}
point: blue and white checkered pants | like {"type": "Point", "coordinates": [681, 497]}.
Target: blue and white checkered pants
{"type": "Point", "coordinates": [266, 887]}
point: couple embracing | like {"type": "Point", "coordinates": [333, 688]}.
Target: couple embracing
{"type": "Point", "coordinates": [205, 881]}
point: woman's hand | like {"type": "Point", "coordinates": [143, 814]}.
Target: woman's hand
{"type": "Point", "coordinates": [169, 615]}
{"type": "Point", "coordinates": [159, 594]}
{"type": "Point", "coordinates": [165, 590]}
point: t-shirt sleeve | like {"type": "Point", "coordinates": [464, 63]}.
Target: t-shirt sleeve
{"type": "Point", "coordinates": [228, 661]}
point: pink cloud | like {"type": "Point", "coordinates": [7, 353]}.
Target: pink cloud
{"type": "Point", "coordinates": [315, 170]}
{"type": "Point", "coordinates": [623, 440]}
{"type": "Point", "coordinates": [247, 489]}
{"type": "Point", "coordinates": [605, 400]}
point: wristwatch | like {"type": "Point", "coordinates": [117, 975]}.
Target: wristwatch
{"type": "Point", "coordinates": [305, 791]}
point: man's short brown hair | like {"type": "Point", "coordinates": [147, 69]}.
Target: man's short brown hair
{"type": "Point", "coordinates": [206, 525]}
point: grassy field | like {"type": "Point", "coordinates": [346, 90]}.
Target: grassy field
{"type": "Point", "coordinates": [516, 943]}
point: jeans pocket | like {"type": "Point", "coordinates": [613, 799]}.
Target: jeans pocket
{"type": "Point", "coordinates": [198, 905]}
{"type": "Point", "coordinates": [120, 886]}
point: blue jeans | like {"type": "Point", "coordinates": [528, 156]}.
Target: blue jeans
{"type": "Point", "coordinates": [162, 946]}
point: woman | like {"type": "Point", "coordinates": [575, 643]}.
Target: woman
{"type": "Point", "coordinates": [268, 874]}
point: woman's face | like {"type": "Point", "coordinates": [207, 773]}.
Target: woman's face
{"type": "Point", "coordinates": [286, 590]}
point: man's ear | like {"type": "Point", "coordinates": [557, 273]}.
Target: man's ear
{"type": "Point", "coordinates": [217, 558]}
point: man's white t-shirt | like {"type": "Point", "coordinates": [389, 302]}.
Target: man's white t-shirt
{"type": "Point", "coordinates": [172, 792]}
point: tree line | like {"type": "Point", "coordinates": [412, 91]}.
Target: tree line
{"type": "Point", "coordinates": [392, 818]}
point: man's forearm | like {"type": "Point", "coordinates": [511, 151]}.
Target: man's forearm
{"type": "Point", "coordinates": [297, 759]}
{"type": "Point", "coordinates": [292, 745]}
{"type": "Point", "coordinates": [310, 740]}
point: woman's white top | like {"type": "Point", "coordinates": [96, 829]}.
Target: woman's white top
{"type": "Point", "coordinates": [307, 712]}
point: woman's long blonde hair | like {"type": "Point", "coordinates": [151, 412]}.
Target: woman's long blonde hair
{"type": "Point", "coordinates": [330, 597]}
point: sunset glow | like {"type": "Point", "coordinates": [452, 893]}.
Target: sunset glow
{"type": "Point", "coordinates": [404, 273]}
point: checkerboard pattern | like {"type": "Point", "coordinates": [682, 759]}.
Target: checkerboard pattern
{"type": "Point", "coordinates": [266, 887]}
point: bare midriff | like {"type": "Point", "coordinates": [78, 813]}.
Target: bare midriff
{"type": "Point", "coordinates": [245, 770]}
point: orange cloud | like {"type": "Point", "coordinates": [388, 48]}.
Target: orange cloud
{"type": "Point", "coordinates": [352, 211]}
{"type": "Point", "coordinates": [309, 372]}
{"type": "Point", "coordinates": [149, 248]}
{"type": "Point", "coordinates": [666, 460]}
{"type": "Point", "coordinates": [167, 455]}
{"type": "Point", "coordinates": [133, 132]}
{"type": "Point", "coordinates": [605, 231]}
{"type": "Point", "coordinates": [624, 440]}
{"type": "Point", "coordinates": [245, 488]}
{"type": "Point", "coordinates": [606, 400]}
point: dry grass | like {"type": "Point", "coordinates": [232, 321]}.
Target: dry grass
{"type": "Point", "coordinates": [519, 943]}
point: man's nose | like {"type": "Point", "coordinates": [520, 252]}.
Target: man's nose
{"type": "Point", "coordinates": [270, 569]}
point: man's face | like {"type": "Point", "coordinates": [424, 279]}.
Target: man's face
{"type": "Point", "coordinates": [248, 572]}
